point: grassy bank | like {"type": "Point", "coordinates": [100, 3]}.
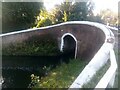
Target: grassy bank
{"type": "Point", "coordinates": [99, 74]}
{"type": "Point", "coordinates": [96, 78]}
{"type": "Point", "coordinates": [117, 79]}
{"type": "Point", "coordinates": [60, 77]}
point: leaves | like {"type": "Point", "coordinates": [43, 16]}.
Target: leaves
{"type": "Point", "coordinates": [34, 47]}
{"type": "Point", "coordinates": [19, 15]}
{"type": "Point", "coordinates": [66, 11]}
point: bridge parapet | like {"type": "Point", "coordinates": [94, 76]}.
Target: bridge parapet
{"type": "Point", "coordinates": [89, 36]}
{"type": "Point", "coordinates": [101, 57]}
{"type": "Point", "coordinates": [93, 41]}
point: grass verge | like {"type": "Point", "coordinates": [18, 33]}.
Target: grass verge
{"type": "Point", "coordinates": [62, 76]}
{"type": "Point", "coordinates": [117, 54]}
{"type": "Point", "coordinates": [96, 78]}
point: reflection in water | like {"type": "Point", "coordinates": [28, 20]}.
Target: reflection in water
{"type": "Point", "coordinates": [16, 70]}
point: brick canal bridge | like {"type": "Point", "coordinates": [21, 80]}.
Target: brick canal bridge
{"type": "Point", "coordinates": [88, 40]}
{"type": "Point", "coordinates": [85, 38]}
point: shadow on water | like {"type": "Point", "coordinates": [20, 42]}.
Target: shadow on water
{"type": "Point", "coordinates": [16, 70]}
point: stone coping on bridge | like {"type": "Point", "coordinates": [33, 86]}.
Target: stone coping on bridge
{"type": "Point", "coordinates": [98, 25]}
{"type": "Point", "coordinates": [84, 33]}
{"type": "Point", "coordinates": [97, 62]}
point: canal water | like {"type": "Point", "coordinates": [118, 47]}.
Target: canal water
{"type": "Point", "coordinates": [16, 70]}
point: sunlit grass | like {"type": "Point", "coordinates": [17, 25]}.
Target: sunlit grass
{"type": "Point", "coordinates": [63, 75]}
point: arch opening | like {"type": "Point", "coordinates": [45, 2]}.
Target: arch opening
{"type": "Point", "coordinates": [69, 45]}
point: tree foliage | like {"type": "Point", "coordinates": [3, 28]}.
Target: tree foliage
{"type": "Point", "coordinates": [63, 11]}
{"type": "Point", "coordinates": [19, 15]}
{"type": "Point", "coordinates": [43, 19]}
{"type": "Point", "coordinates": [96, 18]}
{"type": "Point", "coordinates": [70, 11]}
{"type": "Point", "coordinates": [74, 11]}
{"type": "Point", "coordinates": [109, 17]}
{"type": "Point", "coordinates": [80, 11]}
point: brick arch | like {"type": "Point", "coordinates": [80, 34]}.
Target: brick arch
{"type": "Point", "coordinates": [62, 42]}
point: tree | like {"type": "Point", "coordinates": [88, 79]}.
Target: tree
{"type": "Point", "coordinates": [69, 11]}
{"type": "Point", "coordinates": [62, 12]}
{"type": "Point", "coordinates": [80, 11]}
{"type": "Point", "coordinates": [109, 17]}
{"type": "Point", "coordinates": [19, 15]}
{"type": "Point", "coordinates": [96, 18]}
{"type": "Point", "coordinates": [74, 11]}
{"type": "Point", "coordinates": [43, 19]}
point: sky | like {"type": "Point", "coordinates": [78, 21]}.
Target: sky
{"type": "Point", "coordinates": [106, 4]}
{"type": "Point", "coordinates": [99, 5]}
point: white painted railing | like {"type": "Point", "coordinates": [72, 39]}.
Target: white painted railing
{"type": "Point", "coordinates": [105, 52]}
{"type": "Point", "coordinates": [95, 64]}
{"type": "Point", "coordinates": [113, 28]}
{"type": "Point", "coordinates": [109, 76]}
{"type": "Point", "coordinates": [101, 57]}
{"type": "Point", "coordinates": [1, 81]}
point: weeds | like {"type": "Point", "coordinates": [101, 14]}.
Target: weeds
{"type": "Point", "coordinates": [62, 76]}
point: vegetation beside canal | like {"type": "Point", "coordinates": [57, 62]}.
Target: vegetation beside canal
{"type": "Point", "coordinates": [96, 78]}
{"type": "Point", "coordinates": [35, 46]}
{"type": "Point", "coordinates": [60, 77]}
{"type": "Point", "coordinates": [93, 82]}
{"type": "Point", "coordinates": [117, 80]}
